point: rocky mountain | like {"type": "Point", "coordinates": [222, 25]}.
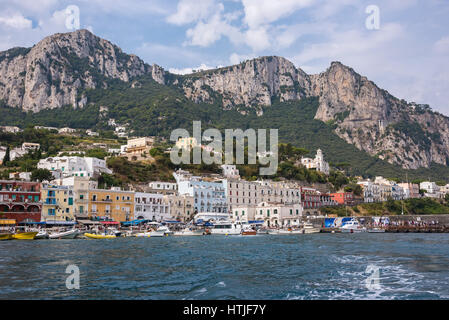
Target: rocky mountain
{"type": "Point", "coordinates": [56, 71]}
{"type": "Point", "coordinates": [51, 74]}
{"type": "Point", "coordinates": [363, 114]}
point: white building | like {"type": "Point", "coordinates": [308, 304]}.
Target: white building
{"type": "Point", "coordinates": [209, 196]}
{"type": "Point", "coordinates": [278, 214]}
{"type": "Point", "coordinates": [10, 129]}
{"type": "Point", "coordinates": [74, 166]}
{"type": "Point", "coordinates": [431, 188]}
{"type": "Point", "coordinates": [244, 193]}
{"type": "Point", "coordinates": [66, 130]}
{"type": "Point", "coordinates": [151, 206]}
{"type": "Point", "coordinates": [230, 171]}
{"type": "Point", "coordinates": [371, 191]}
{"type": "Point", "coordinates": [24, 176]}
{"type": "Point", "coordinates": [318, 163]}
{"type": "Point", "coordinates": [164, 186]}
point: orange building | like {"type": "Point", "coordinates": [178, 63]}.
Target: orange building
{"type": "Point", "coordinates": [343, 198]}
{"type": "Point", "coordinates": [112, 204]}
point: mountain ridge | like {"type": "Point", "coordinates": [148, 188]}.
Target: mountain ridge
{"type": "Point", "coordinates": [58, 70]}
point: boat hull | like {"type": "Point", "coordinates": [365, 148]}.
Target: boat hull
{"type": "Point", "coordinates": [71, 234]}
{"type": "Point", "coordinates": [5, 236]}
{"type": "Point", "coordinates": [99, 236]}
{"type": "Point", "coordinates": [311, 230]}
{"type": "Point", "coordinates": [41, 235]}
{"type": "Point", "coordinates": [24, 236]}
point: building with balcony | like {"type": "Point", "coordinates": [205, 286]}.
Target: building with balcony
{"type": "Point", "coordinates": [138, 149]}
{"type": "Point", "coordinates": [57, 203]}
{"type": "Point", "coordinates": [181, 206]}
{"type": "Point", "coordinates": [112, 204]}
{"type": "Point", "coordinates": [20, 201]}
{"type": "Point", "coordinates": [151, 206]}
{"type": "Point", "coordinates": [276, 214]}
{"type": "Point", "coordinates": [343, 198]}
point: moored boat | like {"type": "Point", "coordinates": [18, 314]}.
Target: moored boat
{"type": "Point", "coordinates": [24, 235]}
{"type": "Point", "coordinates": [249, 232]}
{"type": "Point", "coordinates": [6, 236]}
{"type": "Point", "coordinates": [376, 230]}
{"type": "Point", "coordinates": [352, 226]}
{"type": "Point", "coordinates": [42, 234]}
{"type": "Point", "coordinates": [309, 228]}
{"type": "Point", "coordinates": [225, 228]}
{"type": "Point", "coordinates": [189, 232]}
{"type": "Point", "coordinates": [100, 236]}
{"type": "Point", "coordinates": [289, 231]}
{"type": "Point", "coordinates": [69, 234]}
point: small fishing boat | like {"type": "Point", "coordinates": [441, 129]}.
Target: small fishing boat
{"type": "Point", "coordinates": [376, 230]}
{"type": "Point", "coordinates": [262, 231]}
{"type": "Point", "coordinates": [309, 228]}
{"type": "Point", "coordinates": [24, 235]}
{"type": "Point", "coordinates": [6, 236]}
{"type": "Point", "coordinates": [189, 232]}
{"type": "Point", "coordinates": [69, 234]}
{"type": "Point", "coordinates": [42, 234]}
{"type": "Point", "coordinates": [249, 232]}
{"type": "Point", "coordinates": [290, 231]}
{"type": "Point", "coordinates": [100, 236]}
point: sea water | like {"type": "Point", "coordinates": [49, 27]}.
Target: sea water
{"type": "Point", "coordinates": [309, 266]}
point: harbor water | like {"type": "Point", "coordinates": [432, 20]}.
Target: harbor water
{"type": "Point", "coordinates": [311, 266]}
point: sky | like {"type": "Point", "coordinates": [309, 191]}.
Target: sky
{"type": "Point", "coordinates": [401, 45]}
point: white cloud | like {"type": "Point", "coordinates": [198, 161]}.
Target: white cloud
{"type": "Point", "coordinates": [16, 21]}
{"type": "Point", "coordinates": [238, 58]}
{"type": "Point", "coordinates": [442, 45]}
{"type": "Point", "coordinates": [259, 12]}
{"type": "Point", "coordinates": [189, 11]}
{"type": "Point", "coordinates": [202, 67]}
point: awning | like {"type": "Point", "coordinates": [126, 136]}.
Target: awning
{"type": "Point", "coordinates": [7, 221]}
{"type": "Point", "coordinates": [62, 222]}
{"type": "Point", "coordinates": [109, 222]}
{"type": "Point", "coordinates": [90, 222]}
{"type": "Point", "coordinates": [133, 222]}
{"type": "Point", "coordinates": [256, 222]}
{"type": "Point", "coordinates": [33, 222]}
{"type": "Point", "coordinates": [171, 221]}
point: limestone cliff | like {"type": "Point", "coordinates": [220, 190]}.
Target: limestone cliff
{"type": "Point", "coordinates": [54, 72]}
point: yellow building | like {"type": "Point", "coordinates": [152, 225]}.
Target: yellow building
{"type": "Point", "coordinates": [187, 143]}
{"type": "Point", "coordinates": [57, 203]}
{"type": "Point", "coordinates": [114, 204]}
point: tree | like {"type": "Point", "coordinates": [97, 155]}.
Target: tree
{"type": "Point", "coordinates": [446, 197]}
{"type": "Point", "coordinates": [41, 175]}
{"type": "Point", "coordinates": [7, 156]}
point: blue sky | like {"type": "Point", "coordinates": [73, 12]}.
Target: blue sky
{"type": "Point", "coordinates": [407, 55]}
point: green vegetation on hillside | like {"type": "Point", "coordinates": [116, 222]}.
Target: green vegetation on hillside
{"type": "Point", "coordinates": [151, 109]}
{"type": "Point", "coordinates": [411, 207]}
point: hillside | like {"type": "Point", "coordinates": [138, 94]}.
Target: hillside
{"type": "Point", "coordinates": [66, 79]}
{"type": "Point", "coordinates": [154, 109]}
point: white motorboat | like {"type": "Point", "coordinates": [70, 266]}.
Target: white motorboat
{"type": "Point", "coordinates": [372, 230]}
{"type": "Point", "coordinates": [352, 226]}
{"type": "Point", "coordinates": [226, 228]}
{"type": "Point", "coordinates": [162, 231]}
{"type": "Point", "coordinates": [290, 231]}
{"type": "Point", "coordinates": [309, 228]}
{"type": "Point", "coordinates": [189, 232]}
{"type": "Point", "coordinates": [42, 234]}
{"type": "Point", "coordinates": [69, 234]}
